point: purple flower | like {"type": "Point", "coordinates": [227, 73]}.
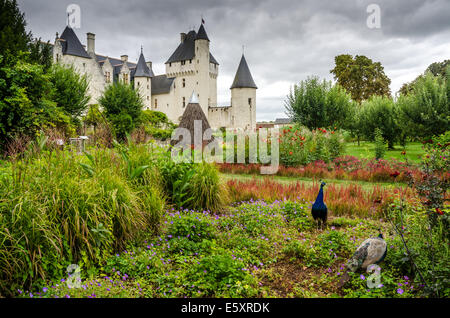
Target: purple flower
{"type": "Point", "coordinates": [400, 291]}
{"type": "Point", "coordinates": [362, 277]}
{"type": "Point", "coordinates": [45, 289]}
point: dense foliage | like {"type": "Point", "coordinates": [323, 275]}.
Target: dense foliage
{"type": "Point", "coordinates": [361, 77]}
{"type": "Point", "coordinates": [123, 108]}
{"type": "Point", "coordinates": [58, 208]}
{"type": "Point", "coordinates": [300, 146]}
{"type": "Point", "coordinates": [379, 113]}
{"type": "Point", "coordinates": [425, 112]}
{"type": "Point", "coordinates": [316, 104]}
{"type": "Point", "coordinates": [71, 91]}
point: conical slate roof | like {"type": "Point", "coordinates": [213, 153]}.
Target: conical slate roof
{"type": "Point", "coordinates": [201, 34]}
{"type": "Point", "coordinates": [142, 70]}
{"type": "Point", "coordinates": [186, 50]}
{"type": "Point", "coordinates": [194, 113]}
{"type": "Point", "coordinates": [71, 44]}
{"type": "Point", "coordinates": [243, 78]}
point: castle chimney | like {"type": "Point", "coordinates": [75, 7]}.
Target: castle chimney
{"type": "Point", "coordinates": [124, 58]}
{"type": "Point", "coordinates": [91, 43]}
{"type": "Point", "coordinates": [183, 37]}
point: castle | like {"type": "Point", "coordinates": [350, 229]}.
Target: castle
{"type": "Point", "coordinates": [191, 68]}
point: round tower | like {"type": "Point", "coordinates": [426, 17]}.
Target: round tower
{"type": "Point", "coordinates": [143, 81]}
{"type": "Point", "coordinates": [202, 60]}
{"type": "Point", "coordinates": [243, 98]}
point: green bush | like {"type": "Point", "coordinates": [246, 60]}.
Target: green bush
{"type": "Point", "coordinates": [71, 91]}
{"type": "Point", "coordinates": [123, 108]}
{"type": "Point", "coordinates": [223, 274]}
{"type": "Point", "coordinates": [379, 112]}
{"type": "Point", "coordinates": [299, 146]}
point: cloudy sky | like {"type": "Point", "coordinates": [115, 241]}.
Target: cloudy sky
{"type": "Point", "coordinates": [285, 40]}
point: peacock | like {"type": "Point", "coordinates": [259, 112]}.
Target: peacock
{"type": "Point", "coordinates": [371, 251]}
{"type": "Point", "coordinates": [319, 209]}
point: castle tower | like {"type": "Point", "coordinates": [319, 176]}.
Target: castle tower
{"type": "Point", "coordinates": [202, 61]}
{"type": "Point", "coordinates": [243, 98]}
{"type": "Point", "coordinates": [143, 81]}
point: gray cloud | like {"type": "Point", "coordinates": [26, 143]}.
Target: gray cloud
{"type": "Point", "coordinates": [285, 40]}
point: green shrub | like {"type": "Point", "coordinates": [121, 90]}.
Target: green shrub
{"type": "Point", "coordinates": [123, 108]}
{"type": "Point", "coordinates": [299, 146]}
{"type": "Point", "coordinates": [205, 188]}
{"type": "Point", "coordinates": [191, 226]}
{"type": "Point", "coordinates": [223, 275]}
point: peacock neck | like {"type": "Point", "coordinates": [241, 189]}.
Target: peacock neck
{"type": "Point", "coordinates": [320, 196]}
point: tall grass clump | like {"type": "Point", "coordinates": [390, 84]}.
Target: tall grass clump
{"type": "Point", "coordinates": [61, 208]}
{"type": "Point", "coordinates": [205, 188]}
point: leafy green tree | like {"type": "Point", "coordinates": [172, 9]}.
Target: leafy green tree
{"type": "Point", "coordinates": [123, 108]}
{"type": "Point", "coordinates": [25, 102]}
{"type": "Point", "coordinates": [436, 68]}
{"type": "Point", "coordinates": [361, 77]}
{"type": "Point", "coordinates": [315, 104]}
{"type": "Point", "coordinates": [71, 91]}
{"type": "Point", "coordinates": [379, 112]}
{"type": "Point", "coordinates": [425, 112]}
{"type": "Point", "coordinates": [13, 36]}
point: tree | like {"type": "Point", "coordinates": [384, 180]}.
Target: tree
{"type": "Point", "coordinates": [379, 112]}
{"type": "Point", "coordinates": [315, 104]}
{"type": "Point", "coordinates": [123, 108]}
{"type": "Point", "coordinates": [71, 91]}
{"type": "Point", "coordinates": [13, 36]}
{"type": "Point", "coordinates": [436, 68]}
{"type": "Point", "coordinates": [361, 77]}
{"type": "Point", "coordinates": [425, 112]}
{"type": "Point", "coordinates": [41, 53]}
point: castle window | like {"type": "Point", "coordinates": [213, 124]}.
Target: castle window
{"type": "Point", "coordinates": [156, 103]}
{"type": "Point", "coordinates": [57, 57]}
{"type": "Point", "coordinates": [184, 82]}
{"type": "Point", "coordinates": [148, 97]}
{"type": "Point", "coordinates": [190, 61]}
{"type": "Point", "coordinates": [250, 101]}
{"type": "Point", "coordinates": [184, 102]}
{"type": "Point", "coordinates": [139, 83]}
{"type": "Point", "coordinates": [183, 62]}
{"type": "Point", "coordinates": [125, 78]}
{"type": "Point", "coordinates": [148, 86]}
{"type": "Point", "coordinates": [170, 64]}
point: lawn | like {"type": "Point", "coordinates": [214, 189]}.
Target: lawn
{"type": "Point", "coordinates": [366, 150]}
